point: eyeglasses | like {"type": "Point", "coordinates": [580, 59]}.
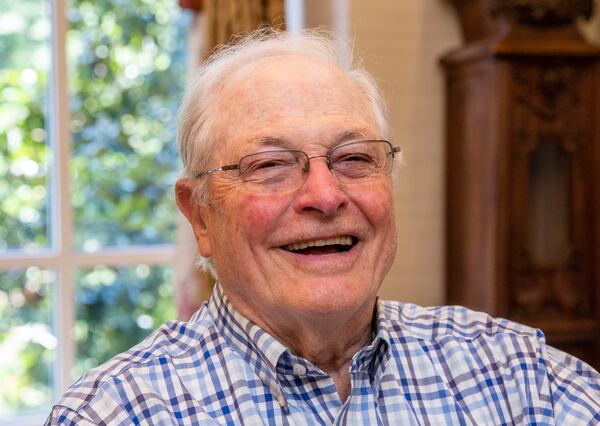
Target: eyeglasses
{"type": "Point", "coordinates": [286, 169]}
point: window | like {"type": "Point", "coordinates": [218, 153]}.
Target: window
{"type": "Point", "coordinates": [88, 97]}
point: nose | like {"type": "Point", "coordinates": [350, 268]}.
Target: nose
{"type": "Point", "coordinates": [321, 191]}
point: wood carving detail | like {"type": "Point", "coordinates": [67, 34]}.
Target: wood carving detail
{"type": "Point", "coordinates": [496, 19]}
{"type": "Point", "coordinates": [548, 119]}
{"type": "Point", "coordinates": [545, 92]}
{"type": "Point", "coordinates": [543, 12]}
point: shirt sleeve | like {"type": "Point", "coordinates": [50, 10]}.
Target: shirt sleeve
{"type": "Point", "coordinates": [574, 387]}
{"type": "Point", "coordinates": [90, 403]}
{"type": "Point", "coordinates": [66, 417]}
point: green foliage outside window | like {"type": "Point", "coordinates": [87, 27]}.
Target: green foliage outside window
{"type": "Point", "coordinates": [126, 72]}
{"type": "Point", "coordinates": [27, 344]}
{"type": "Point", "coordinates": [24, 65]}
{"type": "Point", "coordinates": [116, 308]}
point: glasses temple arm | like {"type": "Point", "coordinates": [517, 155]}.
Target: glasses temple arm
{"type": "Point", "coordinates": [218, 169]}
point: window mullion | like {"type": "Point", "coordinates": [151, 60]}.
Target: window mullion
{"type": "Point", "coordinates": [61, 210]}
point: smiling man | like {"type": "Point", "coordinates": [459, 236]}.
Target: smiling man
{"type": "Point", "coordinates": [289, 192]}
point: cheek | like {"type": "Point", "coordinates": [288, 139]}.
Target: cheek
{"type": "Point", "coordinates": [261, 213]}
{"type": "Point", "coordinates": [378, 206]}
{"type": "Point", "coordinates": [379, 210]}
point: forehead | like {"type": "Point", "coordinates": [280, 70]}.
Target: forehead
{"type": "Point", "coordinates": [290, 98]}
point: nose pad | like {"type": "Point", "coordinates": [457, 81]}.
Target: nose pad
{"type": "Point", "coordinates": [327, 158]}
{"type": "Point", "coordinates": [306, 169]}
{"type": "Point", "coordinates": [320, 180]}
{"type": "Point", "coordinates": [330, 164]}
{"type": "Point", "coordinates": [320, 193]}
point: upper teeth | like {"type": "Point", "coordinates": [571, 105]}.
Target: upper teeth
{"type": "Point", "coordinates": [345, 240]}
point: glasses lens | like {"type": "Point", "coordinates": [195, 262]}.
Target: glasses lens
{"type": "Point", "coordinates": [272, 171]}
{"type": "Point", "coordinates": [360, 161]}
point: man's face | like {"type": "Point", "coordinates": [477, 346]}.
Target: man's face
{"type": "Point", "coordinates": [294, 103]}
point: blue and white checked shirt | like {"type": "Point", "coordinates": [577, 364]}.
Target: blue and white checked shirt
{"type": "Point", "coordinates": [426, 366]}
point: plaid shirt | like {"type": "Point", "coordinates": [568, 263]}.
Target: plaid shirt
{"type": "Point", "coordinates": [439, 366]}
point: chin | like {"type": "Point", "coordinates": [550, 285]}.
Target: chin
{"type": "Point", "coordinates": [325, 297]}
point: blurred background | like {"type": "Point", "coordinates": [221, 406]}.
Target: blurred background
{"type": "Point", "coordinates": [93, 254]}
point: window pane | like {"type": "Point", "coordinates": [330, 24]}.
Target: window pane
{"type": "Point", "coordinates": [24, 35]}
{"type": "Point", "coordinates": [27, 344]}
{"type": "Point", "coordinates": [117, 308]}
{"type": "Point", "coordinates": [126, 72]}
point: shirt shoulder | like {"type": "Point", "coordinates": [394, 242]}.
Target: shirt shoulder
{"type": "Point", "coordinates": [436, 322]}
{"type": "Point", "coordinates": [174, 339]}
{"type": "Point", "coordinates": [471, 351]}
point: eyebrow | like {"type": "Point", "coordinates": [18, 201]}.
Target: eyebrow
{"type": "Point", "coordinates": [349, 134]}
{"type": "Point", "coordinates": [271, 141]}
{"type": "Point", "coordinates": [283, 143]}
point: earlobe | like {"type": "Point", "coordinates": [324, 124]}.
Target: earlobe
{"type": "Point", "coordinates": [196, 213]}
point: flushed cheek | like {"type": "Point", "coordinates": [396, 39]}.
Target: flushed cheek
{"type": "Point", "coordinates": [377, 205]}
{"type": "Point", "coordinates": [260, 213]}
{"type": "Point", "coordinates": [385, 222]}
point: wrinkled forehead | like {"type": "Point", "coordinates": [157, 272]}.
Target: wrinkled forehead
{"type": "Point", "coordinates": [290, 97]}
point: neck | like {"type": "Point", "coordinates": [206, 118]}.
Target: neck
{"type": "Point", "coordinates": [328, 346]}
{"type": "Point", "coordinates": [329, 343]}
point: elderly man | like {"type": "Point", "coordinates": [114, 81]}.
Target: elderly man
{"type": "Point", "coordinates": [289, 193]}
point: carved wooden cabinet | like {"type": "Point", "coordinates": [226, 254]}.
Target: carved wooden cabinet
{"type": "Point", "coordinates": [523, 169]}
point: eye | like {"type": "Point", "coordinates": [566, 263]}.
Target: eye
{"type": "Point", "coordinates": [354, 162]}
{"type": "Point", "coordinates": [354, 158]}
{"type": "Point", "coordinates": [268, 163]}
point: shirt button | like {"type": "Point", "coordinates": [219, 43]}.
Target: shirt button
{"type": "Point", "coordinates": [281, 401]}
{"type": "Point", "coordinates": [299, 369]}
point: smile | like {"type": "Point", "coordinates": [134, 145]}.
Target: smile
{"type": "Point", "coordinates": [323, 246]}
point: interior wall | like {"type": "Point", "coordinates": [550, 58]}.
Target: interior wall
{"type": "Point", "coordinates": [400, 43]}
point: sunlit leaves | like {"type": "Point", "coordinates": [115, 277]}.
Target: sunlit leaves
{"type": "Point", "coordinates": [23, 149]}
{"type": "Point", "coordinates": [27, 344]}
{"type": "Point", "coordinates": [117, 307]}
{"type": "Point", "coordinates": [127, 70]}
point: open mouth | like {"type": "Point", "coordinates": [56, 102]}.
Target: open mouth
{"type": "Point", "coordinates": [323, 246]}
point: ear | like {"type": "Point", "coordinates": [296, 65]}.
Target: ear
{"type": "Point", "coordinates": [196, 214]}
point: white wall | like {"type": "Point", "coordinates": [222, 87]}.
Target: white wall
{"type": "Point", "coordinates": [401, 42]}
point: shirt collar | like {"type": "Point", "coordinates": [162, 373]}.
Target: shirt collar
{"type": "Point", "coordinates": [266, 355]}
{"type": "Point", "coordinates": [257, 347]}
{"type": "Point", "coordinates": [380, 351]}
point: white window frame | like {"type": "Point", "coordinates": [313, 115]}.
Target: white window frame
{"type": "Point", "coordinates": [62, 257]}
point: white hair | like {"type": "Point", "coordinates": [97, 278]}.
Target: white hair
{"type": "Point", "coordinates": [197, 116]}
{"type": "Point", "coordinates": [199, 108]}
